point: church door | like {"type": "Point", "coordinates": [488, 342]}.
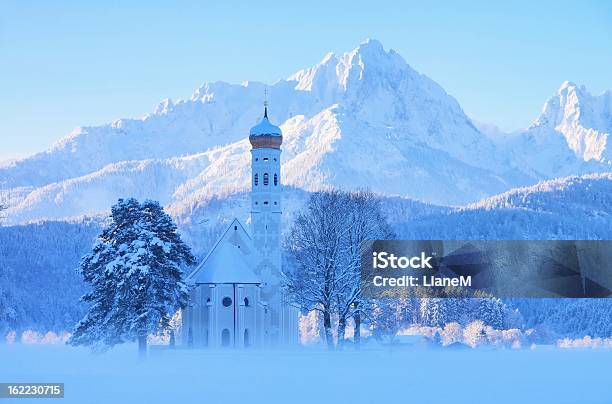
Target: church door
{"type": "Point", "coordinates": [247, 343]}
{"type": "Point", "coordinates": [225, 338]}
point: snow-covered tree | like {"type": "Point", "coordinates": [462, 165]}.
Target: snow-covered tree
{"type": "Point", "coordinates": [135, 275]}
{"type": "Point", "coordinates": [314, 245]}
{"type": "Point", "coordinates": [325, 244]}
{"type": "Point", "coordinates": [434, 311]}
{"type": "Point", "coordinates": [3, 207]}
{"type": "Point", "coordinates": [452, 333]}
{"type": "Point", "coordinates": [387, 317]}
{"type": "Point", "coordinates": [491, 311]}
{"type": "Point", "coordinates": [364, 221]}
{"type": "Point", "coordinates": [474, 333]}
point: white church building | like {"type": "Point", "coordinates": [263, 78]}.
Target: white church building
{"type": "Point", "coordinates": [236, 299]}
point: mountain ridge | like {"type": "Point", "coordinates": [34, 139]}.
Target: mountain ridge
{"type": "Point", "coordinates": [364, 118]}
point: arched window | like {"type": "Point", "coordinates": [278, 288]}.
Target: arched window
{"type": "Point", "coordinates": [247, 343]}
{"type": "Point", "coordinates": [275, 179]}
{"type": "Point", "coordinates": [266, 179]}
{"type": "Point", "coordinates": [256, 180]}
{"type": "Point", "coordinates": [246, 301]}
{"type": "Point", "coordinates": [225, 337]}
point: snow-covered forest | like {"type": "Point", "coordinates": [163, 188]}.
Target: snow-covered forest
{"type": "Point", "coordinates": [40, 289]}
{"type": "Point", "coordinates": [44, 257]}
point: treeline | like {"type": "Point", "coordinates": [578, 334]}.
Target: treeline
{"type": "Point", "coordinates": [39, 286]}
{"type": "Point", "coordinates": [574, 318]}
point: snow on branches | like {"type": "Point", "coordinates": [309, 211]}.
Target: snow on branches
{"type": "Point", "coordinates": [135, 275]}
{"type": "Point", "coordinates": [324, 246]}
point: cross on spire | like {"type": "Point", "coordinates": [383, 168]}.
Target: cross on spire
{"type": "Point", "coordinates": [266, 102]}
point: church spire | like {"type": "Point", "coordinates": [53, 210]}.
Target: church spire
{"type": "Point", "coordinates": [266, 103]}
{"type": "Point", "coordinates": [265, 134]}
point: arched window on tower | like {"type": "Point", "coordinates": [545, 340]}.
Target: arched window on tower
{"type": "Point", "coordinates": [266, 179]}
{"type": "Point", "coordinates": [275, 179]}
{"type": "Point", "coordinates": [256, 180]}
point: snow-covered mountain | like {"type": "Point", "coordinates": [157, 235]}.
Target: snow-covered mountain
{"type": "Point", "coordinates": [361, 119]}
{"type": "Point", "coordinates": [576, 207]}
{"type": "Point", "coordinates": [569, 137]}
{"type": "Point", "coordinates": [492, 131]}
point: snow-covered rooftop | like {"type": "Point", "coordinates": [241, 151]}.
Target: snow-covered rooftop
{"type": "Point", "coordinates": [264, 128]}
{"type": "Point", "coordinates": [226, 264]}
{"type": "Point", "coordinates": [229, 261]}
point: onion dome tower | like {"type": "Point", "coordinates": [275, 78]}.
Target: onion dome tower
{"type": "Point", "coordinates": [265, 135]}
{"type": "Point", "coordinates": [266, 140]}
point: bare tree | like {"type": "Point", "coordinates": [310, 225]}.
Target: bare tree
{"type": "Point", "coordinates": [325, 245]}
{"type": "Point", "coordinates": [315, 245]}
{"type": "Point", "coordinates": [366, 221]}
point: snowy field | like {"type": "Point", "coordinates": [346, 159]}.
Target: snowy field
{"type": "Point", "coordinates": [543, 375]}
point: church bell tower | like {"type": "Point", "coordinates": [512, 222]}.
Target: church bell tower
{"type": "Point", "coordinates": [266, 140]}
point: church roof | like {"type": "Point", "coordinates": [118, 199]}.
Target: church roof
{"type": "Point", "coordinates": [264, 127]}
{"type": "Point", "coordinates": [229, 261]}
{"type": "Point", "coordinates": [227, 264]}
{"type": "Point", "coordinates": [264, 135]}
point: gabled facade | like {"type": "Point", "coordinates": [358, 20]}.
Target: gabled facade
{"type": "Point", "coordinates": [236, 295]}
{"type": "Point", "coordinates": [226, 309]}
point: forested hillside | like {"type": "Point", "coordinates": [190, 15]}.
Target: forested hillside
{"type": "Point", "coordinates": [39, 286]}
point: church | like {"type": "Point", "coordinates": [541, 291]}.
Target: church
{"type": "Point", "coordinates": [236, 299]}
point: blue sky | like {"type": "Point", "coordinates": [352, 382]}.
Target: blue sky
{"type": "Point", "coordinates": [68, 64]}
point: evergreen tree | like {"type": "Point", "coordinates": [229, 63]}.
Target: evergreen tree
{"type": "Point", "coordinates": [437, 315]}
{"type": "Point", "coordinates": [387, 318]}
{"type": "Point", "coordinates": [424, 311]}
{"type": "Point", "coordinates": [135, 277]}
{"type": "Point", "coordinates": [491, 311]}
{"type": "Point", "coordinates": [453, 310]}
{"type": "Point", "coordinates": [2, 208]}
